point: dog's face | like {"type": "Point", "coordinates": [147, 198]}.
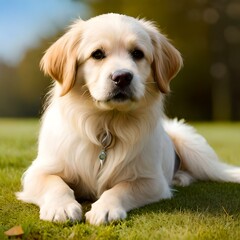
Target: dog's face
{"type": "Point", "coordinates": [117, 59]}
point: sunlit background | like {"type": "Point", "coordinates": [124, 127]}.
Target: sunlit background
{"type": "Point", "coordinates": [207, 33]}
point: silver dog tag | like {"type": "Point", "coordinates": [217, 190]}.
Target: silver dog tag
{"type": "Point", "coordinates": [106, 140]}
{"type": "Point", "coordinates": [102, 157]}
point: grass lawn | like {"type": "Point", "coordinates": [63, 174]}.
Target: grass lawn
{"type": "Point", "coordinates": [202, 211]}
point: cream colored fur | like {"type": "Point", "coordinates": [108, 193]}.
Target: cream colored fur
{"type": "Point", "coordinates": [139, 167]}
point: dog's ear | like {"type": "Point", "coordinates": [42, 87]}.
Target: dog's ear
{"type": "Point", "coordinates": [60, 60]}
{"type": "Point", "coordinates": [167, 60]}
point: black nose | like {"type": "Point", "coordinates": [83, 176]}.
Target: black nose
{"type": "Point", "coordinates": [122, 78]}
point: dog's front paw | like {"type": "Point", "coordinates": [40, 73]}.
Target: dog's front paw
{"type": "Point", "coordinates": [61, 212]}
{"type": "Point", "coordinates": [102, 213]}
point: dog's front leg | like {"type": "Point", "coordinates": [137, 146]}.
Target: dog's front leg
{"type": "Point", "coordinates": [59, 202]}
{"type": "Point", "coordinates": [117, 201]}
{"type": "Point", "coordinates": [54, 197]}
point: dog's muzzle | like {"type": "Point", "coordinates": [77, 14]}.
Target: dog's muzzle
{"type": "Point", "coordinates": [122, 86]}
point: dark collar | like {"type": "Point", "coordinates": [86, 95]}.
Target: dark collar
{"type": "Point", "coordinates": [177, 164]}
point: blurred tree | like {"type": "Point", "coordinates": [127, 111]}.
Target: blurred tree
{"type": "Point", "coordinates": [224, 40]}
{"type": "Point", "coordinates": [31, 85]}
{"type": "Point", "coordinates": [22, 88]}
{"type": "Point", "coordinates": [8, 92]}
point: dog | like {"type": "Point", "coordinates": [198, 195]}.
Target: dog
{"type": "Point", "coordinates": [104, 135]}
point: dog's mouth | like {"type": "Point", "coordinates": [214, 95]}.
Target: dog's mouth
{"type": "Point", "coordinates": [121, 100]}
{"type": "Point", "coordinates": [120, 96]}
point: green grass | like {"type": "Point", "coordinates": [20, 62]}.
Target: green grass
{"type": "Point", "coordinates": [201, 211]}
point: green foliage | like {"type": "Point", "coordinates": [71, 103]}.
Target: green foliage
{"type": "Point", "coordinates": [202, 211]}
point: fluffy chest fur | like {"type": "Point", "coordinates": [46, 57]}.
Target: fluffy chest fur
{"type": "Point", "coordinates": [76, 151]}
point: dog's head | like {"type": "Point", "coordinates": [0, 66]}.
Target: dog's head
{"type": "Point", "coordinates": [117, 59]}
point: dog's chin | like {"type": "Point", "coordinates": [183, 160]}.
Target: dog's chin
{"type": "Point", "coordinates": [119, 103]}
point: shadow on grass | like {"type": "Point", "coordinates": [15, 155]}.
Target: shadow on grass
{"type": "Point", "coordinates": [201, 197]}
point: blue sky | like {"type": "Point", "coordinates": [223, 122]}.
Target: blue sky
{"type": "Point", "coordinates": [23, 23]}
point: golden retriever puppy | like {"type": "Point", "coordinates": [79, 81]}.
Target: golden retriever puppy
{"type": "Point", "coordinates": [104, 135]}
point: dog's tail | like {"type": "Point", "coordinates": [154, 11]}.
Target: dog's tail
{"type": "Point", "coordinates": [198, 159]}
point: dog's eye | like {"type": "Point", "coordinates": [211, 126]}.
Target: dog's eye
{"type": "Point", "coordinates": [137, 54]}
{"type": "Point", "coordinates": [98, 54]}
